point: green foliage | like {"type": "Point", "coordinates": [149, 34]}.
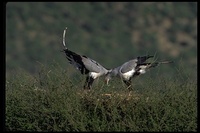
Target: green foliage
{"type": "Point", "coordinates": [53, 101]}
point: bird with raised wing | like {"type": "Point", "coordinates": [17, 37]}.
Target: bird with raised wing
{"type": "Point", "coordinates": [132, 68]}
{"type": "Point", "coordinates": [85, 65]}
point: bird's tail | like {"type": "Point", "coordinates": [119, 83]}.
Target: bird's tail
{"type": "Point", "coordinates": [64, 38]}
{"type": "Point", "coordinates": [69, 54]}
{"type": "Point", "coordinates": [158, 63]}
{"type": "Point", "coordinates": [142, 59]}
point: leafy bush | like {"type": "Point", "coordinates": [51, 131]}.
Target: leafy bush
{"type": "Point", "coordinates": [53, 101]}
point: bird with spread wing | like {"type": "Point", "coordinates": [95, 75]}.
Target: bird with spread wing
{"type": "Point", "coordinates": [85, 65]}
{"type": "Point", "coordinates": [132, 68]}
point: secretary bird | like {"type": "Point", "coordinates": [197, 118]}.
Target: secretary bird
{"type": "Point", "coordinates": [132, 68]}
{"type": "Point", "coordinates": [85, 65]}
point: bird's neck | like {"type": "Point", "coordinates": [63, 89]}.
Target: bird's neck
{"type": "Point", "coordinates": [115, 72]}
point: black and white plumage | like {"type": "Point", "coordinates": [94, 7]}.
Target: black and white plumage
{"type": "Point", "coordinates": [132, 68]}
{"type": "Point", "coordinates": [85, 65]}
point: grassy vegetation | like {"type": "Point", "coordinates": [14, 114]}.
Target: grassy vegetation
{"type": "Point", "coordinates": [53, 101]}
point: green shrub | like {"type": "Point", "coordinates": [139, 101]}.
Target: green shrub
{"type": "Point", "coordinates": [52, 101]}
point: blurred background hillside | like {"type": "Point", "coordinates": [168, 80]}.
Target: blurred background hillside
{"type": "Point", "coordinates": [108, 32]}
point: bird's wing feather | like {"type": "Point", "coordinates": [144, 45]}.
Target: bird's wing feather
{"type": "Point", "coordinates": [142, 59]}
{"type": "Point", "coordinates": [83, 63]}
{"type": "Point", "coordinates": [128, 66]}
{"type": "Point", "coordinates": [91, 65]}
{"type": "Point", "coordinates": [76, 60]}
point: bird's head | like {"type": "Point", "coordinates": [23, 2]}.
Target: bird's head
{"type": "Point", "coordinates": [108, 76]}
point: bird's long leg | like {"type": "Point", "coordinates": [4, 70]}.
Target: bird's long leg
{"type": "Point", "coordinates": [88, 82]}
{"type": "Point", "coordinates": [91, 80]}
{"type": "Point", "coordinates": [128, 83]}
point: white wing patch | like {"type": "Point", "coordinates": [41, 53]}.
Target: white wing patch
{"type": "Point", "coordinates": [94, 75]}
{"type": "Point", "coordinates": [143, 69]}
{"type": "Point", "coordinates": [128, 74]}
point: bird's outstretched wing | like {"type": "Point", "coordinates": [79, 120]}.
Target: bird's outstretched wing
{"type": "Point", "coordinates": [130, 65]}
{"type": "Point", "coordinates": [142, 59]}
{"type": "Point", "coordinates": [82, 63]}
{"type": "Point", "coordinates": [91, 64]}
